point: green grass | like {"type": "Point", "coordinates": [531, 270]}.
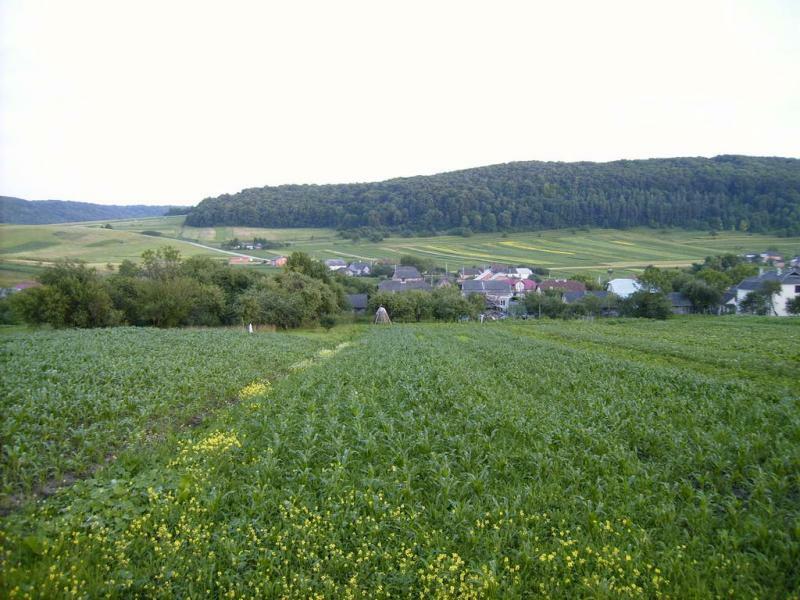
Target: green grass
{"type": "Point", "coordinates": [561, 459]}
{"type": "Point", "coordinates": [27, 248]}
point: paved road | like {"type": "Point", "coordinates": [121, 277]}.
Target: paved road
{"type": "Point", "coordinates": [224, 251]}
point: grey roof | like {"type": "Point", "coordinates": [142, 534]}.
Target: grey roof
{"type": "Point", "coordinates": [358, 266]}
{"type": "Point", "coordinates": [357, 301]}
{"type": "Point", "coordinates": [406, 273]}
{"type": "Point", "coordinates": [486, 287]}
{"type": "Point", "coordinates": [570, 297]}
{"type": "Point", "coordinates": [678, 299]}
{"type": "Point", "coordinates": [470, 271]}
{"type": "Point", "coordinates": [335, 262]}
{"type": "Point", "coordinates": [392, 285]}
{"type": "Point", "coordinates": [755, 283]}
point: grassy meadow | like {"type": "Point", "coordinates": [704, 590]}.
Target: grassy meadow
{"type": "Point", "coordinates": [616, 458]}
{"type": "Point", "coordinates": [25, 248]}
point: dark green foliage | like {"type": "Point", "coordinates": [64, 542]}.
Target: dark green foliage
{"type": "Point", "coordinates": [793, 305]}
{"type": "Point", "coordinates": [703, 283]}
{"type": "Point", "coordinates": [7, 314]}
{"type": "Point", "coordinates": [423, 265]}
{"type": "Point", "coordinates": [40, 212]}
{"type": "Point", "coordinates": [547, 304]}
{"type": "Point", "coordinates": [590, 282]}
{"type": "Point", "coordinates": [443, 304]}
{"type": "Point", "coordinates": [725, 192]}
{"type": "Point", "coordinates": [167, 291]}
{"type": "Point", "coordinates": [177, 211]}
{"type": "Point", "coordinates": [382, 270]}
{"type": "Point", "coordinates": [327, 322]}
{"type": "Point", "coordinates": [646, 304]}
{"type": "Point", "coordinates": [288, 300]}
{"type": "Point", "coordinates": [300, 262]}
{"type": "Point", "coordinates": [704, 297]}
{"type": "Point", "coordinates": [755, 303]}
{"type": "Point", "coordinates": [73, 295]}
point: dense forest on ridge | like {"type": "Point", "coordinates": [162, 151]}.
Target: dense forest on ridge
{"type": "Point", "coordinates": [724, 192]}
{"type": "Point", "coordinates": [42, 212]}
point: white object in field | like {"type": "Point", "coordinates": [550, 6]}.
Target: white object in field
{"type": "Point", "coordinates": [250, 328]}
{"type": "Point", "coordinates": [381, 316]}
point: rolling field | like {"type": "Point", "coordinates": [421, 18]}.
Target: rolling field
{"type": "Point", "coordinates": [559, 459]}
{"type": "Point", "coordinates": [31, 246]}
{"type": "Point", "coordinates": [561, 251]}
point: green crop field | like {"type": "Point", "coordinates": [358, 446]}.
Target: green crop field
{"type": "Point", "coordinates": [71, 398]}
{"type": "Point", "coordinates": [619, 458]}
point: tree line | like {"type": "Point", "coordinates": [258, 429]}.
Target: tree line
{"type": "Point", "coordinates": [721, 193]}
{"type": "Point", "coordinates": [166, 290]}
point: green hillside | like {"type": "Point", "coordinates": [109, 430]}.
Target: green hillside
{"type": "Point", "coordinates": [556, 459]}
{"type": "Point", "coordinates": [721, 193]}
{"type": "Point", "coordinates": [25, 248]}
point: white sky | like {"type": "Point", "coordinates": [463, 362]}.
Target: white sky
{"type": "Point", "coordinates": [171, 101]}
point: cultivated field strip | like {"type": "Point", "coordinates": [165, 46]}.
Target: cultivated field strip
{"type": "Point", "coordinates": [563, 251]}
{"type": "Point", "coordinates": [72, 398]}
{"type": "Point", "coordinates": [455, 461]}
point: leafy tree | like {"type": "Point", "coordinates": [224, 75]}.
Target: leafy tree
{"type": "Point", "coordinates": [300, 262]}
{"type": "Point", "coordinates": [288, 300]}
{"type": "Point", "coordinates": [327, 321]}
{"type": "Point", "coordinates": [646, 304]}
{"type": "Point", "coordinates": [703, 296]}
{"type": "Point", "coordinates": [423, 265]}
{"type": "Point", "coordinates": [755, 303]}
{"type": "Point", "coordinates": [449, 305]}
{"type": "Point", "coordinates": [72, 295]}
{"type": "Point", "coordinates": [793, 305]}
{"type": "Point", "coordinates": [659, 279]}
{"type": "Point", "coordinates": [718, 280]}
{"type": "Point", "coordinates": [382, 270]}
{"type": "Point", "coordinates": [162, 263]}
{"type": "Point", "coordinates": [7, 314]}
{"type": "Point", "coordinates": [547, 304]}
{"type": "Point", "coordinates": [180, 301]}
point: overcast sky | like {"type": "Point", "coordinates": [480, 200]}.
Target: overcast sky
{"type": "Point", "coordinates": [172, 101]}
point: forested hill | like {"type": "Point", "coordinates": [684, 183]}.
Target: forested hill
{"type": "Point", "coordinates": [724, 192]}
{"type": "Point", "coordinates": [42, 212]}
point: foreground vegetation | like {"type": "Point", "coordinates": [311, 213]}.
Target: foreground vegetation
{"type": "Point", "coordinates": [69, 400]}
{"type": "Point", "coordinates": [563, 459]}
